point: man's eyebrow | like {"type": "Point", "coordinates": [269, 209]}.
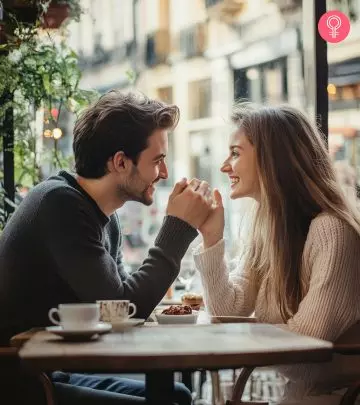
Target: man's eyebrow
{"type": "Point", "coordinates": [158, 157]}
{"type": "Point", "coordinates": [236, 146]}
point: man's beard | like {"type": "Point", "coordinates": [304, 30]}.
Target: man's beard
{"type": "Point", "coordinates": [135, 189]}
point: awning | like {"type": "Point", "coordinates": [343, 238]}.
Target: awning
{"type": "Point", "coordinates": [345, 73]}
{"type": "Point", "coordinates": [266, 50]}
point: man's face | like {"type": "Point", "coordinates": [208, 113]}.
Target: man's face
{"type": "Point", "coordinates": [151, 168]}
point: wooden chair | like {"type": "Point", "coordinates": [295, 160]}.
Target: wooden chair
{"type": "Point", "coordinates": [10, 364]}
{"type": "Point", "coordinates": [241, 380]}
{"type": "Point", "coordinates": [348, 344]}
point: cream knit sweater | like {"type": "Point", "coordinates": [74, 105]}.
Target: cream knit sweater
{"type": "Point", "coordinates": [331, 268]}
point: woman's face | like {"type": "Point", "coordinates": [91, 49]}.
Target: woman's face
{"type": "Point", "coordinates": [241, 167]}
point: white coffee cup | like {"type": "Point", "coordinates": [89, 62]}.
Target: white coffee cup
{"type": "Point", "coordinates": [116, 310]}
{"type": "Point", "coordinates": [76, 316]}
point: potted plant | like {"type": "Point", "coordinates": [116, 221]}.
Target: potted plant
{"type": "Point", "coordinates": [55, 12]}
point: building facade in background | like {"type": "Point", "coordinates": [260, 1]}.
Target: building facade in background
{"type": "Point", "coordinates": [203, 55]}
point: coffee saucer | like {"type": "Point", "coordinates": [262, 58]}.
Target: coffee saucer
{"type": "Point", "coordinates": [121, 326]}
{"type": "Point", "coordinates": [80, 334]}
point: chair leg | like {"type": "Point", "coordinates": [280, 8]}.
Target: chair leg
{"type": "Point", "coordinates": [240, 387]}
{"type": "Point", "coordinates": [217, 397]}
{"type": "Point", "coordinates": [48, 388]}
{"type": "Point", "coordinates": [351, 394]}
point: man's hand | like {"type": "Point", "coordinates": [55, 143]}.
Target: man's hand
{"type": "Point", "coordinates": [190, 202]}
{"type": "Point", "coordinates": [212, 229]}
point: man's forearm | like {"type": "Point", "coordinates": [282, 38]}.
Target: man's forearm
{"type": "Point", "coordinates": [159, 270]}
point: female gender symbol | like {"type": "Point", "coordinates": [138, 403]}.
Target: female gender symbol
{"type": "Point", "coordinates": [334, 23]}
{"type": "Point", "coordinates": [334, 26]}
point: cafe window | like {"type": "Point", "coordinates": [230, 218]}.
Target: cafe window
{"type": "Point", "coordinates": [275, 82]}
{"type": "Point", "coordinates": [348, 93]}
{"type": "Point", "coordinates": [255, 84]}
{"type": "Point", "coordinates": [165, 94]}
{"type": "Point", "coordinates": [341, 96]}
{"type": "Point", "coordinates": [266, 83]}
{"type": "Point", "coordinates": [200, 99]}
{"type": "Point", "coordinates": [201, 159]}
{"type": "Point", "coordinates": [357, 91]}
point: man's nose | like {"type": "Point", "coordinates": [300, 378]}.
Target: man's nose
{"type": "Point", "coordinates": [164, 174]}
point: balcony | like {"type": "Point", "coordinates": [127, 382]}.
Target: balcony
{"type": "Point", "coordinates": [193, 40]}
{"type": "Point", "coordinates": [225, 10]}
{"type": "Point", "coordinates": [157, 48]}
{"type": "Point", "coordinates": [102, 57]}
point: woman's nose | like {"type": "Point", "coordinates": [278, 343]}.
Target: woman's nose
{"type": "Point", "coordinates": [225, 168]}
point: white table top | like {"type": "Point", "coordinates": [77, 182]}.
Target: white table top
{"type": "Point", "coordinates": [176, 347]}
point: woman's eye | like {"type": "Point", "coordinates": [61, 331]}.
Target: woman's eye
{"type": "Point", "coordinates": [234, 154]}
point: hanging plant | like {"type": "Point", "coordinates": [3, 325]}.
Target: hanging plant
{"type": "Point", "coordinates": [42, 74]}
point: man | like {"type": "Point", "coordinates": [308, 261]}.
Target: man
{"type": "Point", "coordinates": [62, 243]}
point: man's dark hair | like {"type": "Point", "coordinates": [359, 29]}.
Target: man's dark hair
{"type": "Point", "coordinates": [118, 122]}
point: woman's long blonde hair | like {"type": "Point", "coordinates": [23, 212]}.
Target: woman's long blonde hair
{"type": "Point", "coordinates": [297, 182]}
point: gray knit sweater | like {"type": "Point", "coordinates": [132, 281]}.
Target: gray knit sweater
{"type": "Point", "coordinates": [59, 247]}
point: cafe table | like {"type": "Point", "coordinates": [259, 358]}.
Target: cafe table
{"type": "Point", "coordinates": [160, 351]}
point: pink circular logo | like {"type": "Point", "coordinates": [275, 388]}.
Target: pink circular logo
{"type": "Point", "coordinates": [334, 26]}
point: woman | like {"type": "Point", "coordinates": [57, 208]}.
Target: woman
{"type": "Point", "coordinates": [302, 268]}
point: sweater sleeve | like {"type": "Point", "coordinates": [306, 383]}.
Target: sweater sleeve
{"type": "Point", "coordinates": [224, 293]}
{"type": "Point", "coordinates": [73, 238]}
{"type": "Point", "coordinates": [331, 304]}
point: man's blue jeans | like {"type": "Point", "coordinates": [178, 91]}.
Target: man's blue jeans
{"type": "Point", "coordinates": [90, 389]}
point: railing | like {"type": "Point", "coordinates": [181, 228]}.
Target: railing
{"type": "Point", "coordinates": [101, 57]}
{"type": "Point", "coordinates": [193, 40]}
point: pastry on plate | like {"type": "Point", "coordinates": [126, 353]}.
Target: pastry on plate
{"type": "Point", "coordinates": [195, 301]}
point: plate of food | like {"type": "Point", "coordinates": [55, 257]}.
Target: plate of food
{"type": "Point", "coordinates": [177, 314]}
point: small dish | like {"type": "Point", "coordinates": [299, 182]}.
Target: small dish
{"type": "Point", "coordinates": [80, 334]}
{"type": "Point", "coordinates": [121, 326]}
{"type": "Point", "coordinates": [164, 319]}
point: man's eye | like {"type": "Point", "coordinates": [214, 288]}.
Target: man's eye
{"type": "Point", "coordinates": [234, 154]}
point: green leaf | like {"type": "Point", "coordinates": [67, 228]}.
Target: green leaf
{"type": "Point", "coordinates": [46, 83]}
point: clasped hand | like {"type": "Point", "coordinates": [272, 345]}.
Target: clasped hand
{"type": "Point", "coordinates": [194, 203]}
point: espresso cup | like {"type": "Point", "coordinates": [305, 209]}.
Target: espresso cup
{"type": "Point", "coordinates": [76, 316]}
{"type": "Point", "coordinates": [116, 310]}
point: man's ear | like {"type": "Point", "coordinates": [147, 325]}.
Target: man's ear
{"type": "Point", "coordinates": [120, 163]}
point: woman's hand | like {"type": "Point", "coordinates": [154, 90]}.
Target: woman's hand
{"type": "Point", "coordinates": [212, 229]}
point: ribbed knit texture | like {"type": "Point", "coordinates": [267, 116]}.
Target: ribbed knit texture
{"type": "Point", "coordinates": [330, 268]}
{"type": "Point", "coordinates": [59, 247]}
